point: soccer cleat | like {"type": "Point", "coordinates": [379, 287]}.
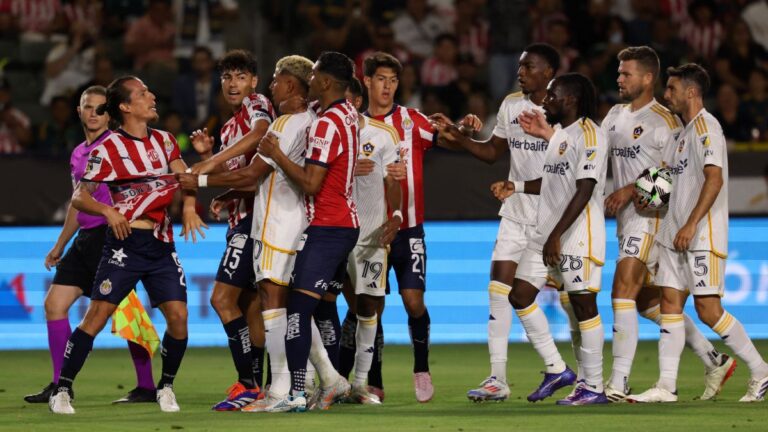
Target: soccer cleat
{"type": "Point", "coordinates": [492, 389]}
{"type": "Point", "coordinates": [279, 403]}
{"type": "Point", "coordinates": [582, 395]}
{"type": "Point", "coordinates": [552, 382]}
{"type": "Point", "coordinates": [377, 391]}
{"type": "Point", "coordinates": [716, 378]}
{"type": "Point", "coordinates": [167, 399]}
{"type": "Point", "coordinates": [327, 396]}
{"type": "Point", "coordinates": [615, 395]}
{"type": "Point", "coordinates": [138, 395]}
{"type": "Point", "coordinates": [60, 402]}
{"type": "Point", "coordinates": [361, 395]}
{"type": "Point", "coordinates": [756, 390]}
{"type": "Point", "coordinates": [266, 403]}
{"type": "Point", "coordinates": [653, 395]}
{"type": "Point", "coordinates": [422, 383]}
{"type": "Point", "coordinates": [45, 395]}
{"type": "Point", "coordinates": [238, 397]}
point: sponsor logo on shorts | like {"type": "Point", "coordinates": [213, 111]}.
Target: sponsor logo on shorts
{"type": "Point", "coordinates": [105, 287]}
{"type": "Point", "coordinates": [238, 241]}
{"type": "Point", "coordinates": [117, 257]}
{"type": "Point", "coordinates": [417, 245]}
{"type": "Point", "coordinates": [321, 284]}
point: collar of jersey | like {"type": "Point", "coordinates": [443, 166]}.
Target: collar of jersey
{"type": "Point", "coordinates": [698, 114]}
{"type": "Point", "coordinates": [642, 108]}
{"type": "Point", "coordinates": [336, 102]}
{"type": "Point", "coordinates": [127, 135]}
{"type": "Point", "coordinates": [99, 139]}
{"type": "Point", "coordinates": [394, 107]}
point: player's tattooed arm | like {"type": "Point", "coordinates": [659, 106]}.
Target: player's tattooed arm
{"type": "Point", "coordinates": [713, 182]}
{"type": "Point", "coordinates": [248, 143]}
{"type": "Point", "coordinates": [452, 137]}
{"type": "Point", "coordinates": [551, 251]}
{"type": "Point", "coordinates": [83, 201]}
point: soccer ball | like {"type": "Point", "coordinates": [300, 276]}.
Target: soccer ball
{"type": "Point", "coordinates": [654, 187]}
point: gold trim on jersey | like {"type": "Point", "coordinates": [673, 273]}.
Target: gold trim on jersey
{"type": "Point", "coordinates": [387, 128]}
{"type": "Point", "coordinates": [714, 271]}
{"type": "Point", "coordinates": [711, 242]}
{"type": "Point", "coordinates": [281, 122]}
{"type": "Point", "coordinates": [701, 125]}
{"type": "Point", "coordinates": [590, 138]}
{"type": "Point", "coordinates": [589, 238]}
{"type": "Point", "coordinates": [645, 248]}
{"type": "Point", "coordinates": [665, 114]}
{"type": "Point", "coordinates": [517, 94]}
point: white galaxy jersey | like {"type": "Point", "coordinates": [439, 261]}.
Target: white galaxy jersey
{"type": "Point", "coordinates": [526, 156]}
{"type": "Point", "coordinates": [380, 143]}
{"type": "Point", "coordinates": [279, 216]}
{"type": "Point", "coordinates": [639, 140]}
{"type": "Point", "coordinates": [576, 152]}
{"type": "Point", "coordinates": [701, 143]}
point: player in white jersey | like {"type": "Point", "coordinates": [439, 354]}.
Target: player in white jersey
{"type": "Point", "coordinates": [641, 134]}
{"type": "Point", "coordinates": [569, 242]}
{"type": "Point", "coordinates": [693, 240]}
{"type": "Point", "coordinates": [538, 65]}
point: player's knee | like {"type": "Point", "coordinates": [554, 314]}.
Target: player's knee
{"type": "Point", "coordinates": [584, 306]}
{"type": "Point", "coordinates": [223, 303]}
{"type": "Point", "coordinates": [520, 299]}
{"type": "Point", "coordinates": [414, 305]}
{"type": "Point", "coordinates": [96, 317]}
{"type": "Point", "coordinates": [709, 313]}
{"type": "Point", "coordinates": [54, 309]}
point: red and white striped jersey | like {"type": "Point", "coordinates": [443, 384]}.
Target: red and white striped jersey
{"type": "Point", "coordinates": [32, 15]}
{"type": "Point", "coordinates": [416, 137]}
{"type": "Point", "coordinates": [137, 172]}
{"type": "Point", "coordinates": [703, 40]}
{"type": "Point", "coordinates": [333, 144]}
{"type": "Point", "coordinates": [255, 107]}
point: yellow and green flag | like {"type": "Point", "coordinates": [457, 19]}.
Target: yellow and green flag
{"type": "Point", "coordinates": [130, 321]}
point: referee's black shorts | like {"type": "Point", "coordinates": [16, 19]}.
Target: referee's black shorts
{"type": "Point", "coordinates": [79, 264]}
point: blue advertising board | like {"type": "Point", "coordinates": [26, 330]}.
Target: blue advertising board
{"type": "Point", "coordinates": [457, 278]}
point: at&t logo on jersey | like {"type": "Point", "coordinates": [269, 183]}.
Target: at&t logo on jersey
{"type": "Point", "coordinates": [527, 145]}
{"type": "Point", "coordinates": [627, 152]}
{"type": "Point", "coordinates": [558, 168]}
{"type": "Point", "coordinates": [680, 167]}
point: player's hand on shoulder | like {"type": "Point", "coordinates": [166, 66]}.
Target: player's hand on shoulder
{"type": "Point", "coordinates": [534, 123]}
{"type": "Point", "coordinates": [617, 201]}
{"type": "Point", "coordinates": [187, 181]}
{"type": "Point", "coordinates": [269, 145]}
{"type": "Point", "coordinates": [202, 142]}
{"type": "Point", "coordinates": [191, 224]}
{"type": "Point", "coordinates": [503, 189]}
{"type": "Point", "coordinates": [53, 257]}
{"type": "Point", "coordinates": [470, 124]}
{"type": "Point", "coordinates": [363, 167]}
{"type": "Point", "coordinates": [398, 171]}
{"type": "Point", "coordinates": [118, 223]}
{"type": "Point", "coordinates": [389, 230]}
{"type": "Point", "coordinates": [293, 105]}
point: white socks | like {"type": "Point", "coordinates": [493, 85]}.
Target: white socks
{"type": "Point", "coordinates": [671, 344]}
{"type": "Point", "coordinates": [275, 324]}
{"type": "Point", "coordinates": [573, 324]}
{"type": "Point", "coordinates": [319, 358]}
{"type": "Point", "coordinates": [537, 329]}
{"type": "Point", "coordinates": [592, 338]}
{"type": "Point", "coordinates": [700, 345]}
{"type": "Point", "coordinates": [733, 334]}
{"type": "Point", "coordinates": [365, 337]}
{"type": "Point", "coordinates": [625, 334]}
{"type": "Point", "coordinates": [499, 324]}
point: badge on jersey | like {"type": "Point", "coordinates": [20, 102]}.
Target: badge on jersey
{"type": "Point", "coordinates": [705, 141]}
{"type": "Point", "coordinates": [105, 287]}
{"type": "Point", "coordinates": [407, 124]}
{"type": "Point", "coordinates": [591, 153]}
{"type": "Point", "coordinates": [637, 132]}
{"type": "Point", "coordinates": [367, 149]}
{"type": "Point", "coordinates": [168, 146]}
{"type": "Point", "coordinates": [563, 147]}
{"type": "Point", "coordinates": [680, 146]}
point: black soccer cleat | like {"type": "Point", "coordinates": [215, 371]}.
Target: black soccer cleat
{"type": "Point", "coordinates": [46, 394]}
{"type": "Point", "coordinates": [138, 395]}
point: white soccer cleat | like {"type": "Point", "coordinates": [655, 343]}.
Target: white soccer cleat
{"type": "Point", "coordinates": [653, 395]}
{"type": "Point", "coordinates": [280, 403]}
{"type": "Point", "coordinates": [327, 396]}
{"type": "Point", "coordinates": [361, 395]}
{"type": "Point", "coordinates": [716, 378]}
{"type": "Point", "coordinates": [60, 403]}
{"type": "Point", "coordinates": [756, 390]}
{"type": "Point", "coordinates": [491, 389]}
{"type": "Point", "coordinates": [615, 395]}
{"type": "Point", "coordinates": [167, 400]}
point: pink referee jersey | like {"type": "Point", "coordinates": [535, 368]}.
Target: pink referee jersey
{"type": "Point", "coordinates": [77, 163]}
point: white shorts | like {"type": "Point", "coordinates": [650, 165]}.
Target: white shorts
{"type": "Point", "coordinates": [272, 263]}
{"type": "Point", "coordinates": [700, 272]}
{"type": "Point", "coordinates": [511, 240]}
{"type": "Point", "coordinates": [574, 274]}
{"type": "Point", "coordinates": [642, 246]}
{"type": "Point", "coordinates": [367, 269]}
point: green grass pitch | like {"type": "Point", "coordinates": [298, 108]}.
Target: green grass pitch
{"type": "Point", "coordinates": [206, 373]}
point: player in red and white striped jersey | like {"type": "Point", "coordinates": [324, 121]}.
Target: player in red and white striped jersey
{"type": "Point", "coordinates": [135, 162]}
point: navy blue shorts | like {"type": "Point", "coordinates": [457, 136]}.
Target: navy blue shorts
{"type": "Point", "coordinates": [79, 264]}
{"type": "Point", "coordinates": [321, 264]}
{"type": "Point", "coordinates": [236, 266]}
{"type": "Point", "coordinates": [408, 256]}
{"type": "Point", "coordinates": [140, 257]}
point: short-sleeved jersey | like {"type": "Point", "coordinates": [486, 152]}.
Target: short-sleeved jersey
{"type": "Point", "coordinates": [576, 152]}
{"type": "Point", "coordinates": [701, 143]}
{"type": "Point", "coordinates": [380, 143]}
{"type": "Point", "coordinates": [637, 141]}
{"type": "Point", "coordinates": [526, 156]}
{"type": "Point", "coordinates": [333, 144]}
{"type": "Point", "coordinates": [77, 163]}
{"type": "Point", "coordinates": [279, 216]}
{"type": "Point", "coordinates": [254, 108]}
{"type": "Point", "coordinates": [137, 173]}
{"type": "Point", "coordinates": [416, 137]}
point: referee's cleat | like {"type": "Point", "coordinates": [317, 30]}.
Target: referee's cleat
{"type": "Point", "coordinates": [583, 395]}
{"type": "Point", "coordinates": [238, 397]}
{"type": "Point", "coordinates": [138, 395]}
{"type": "Point", "coordinates": [617, 395]}
{"type": "Point", "coordinates": [716, 378]}
{"type": "Point", "coordinates": [167, 399]}
{"type": "Point", "coordinates": [60, 402]}
{"type": "Point", "coordinates": [653, 395]}
{"type": "Point", "coordinates": [756, 390]}
{"type": "Point", "coordinates": [45, 395]}
{"type": "Point", "coordinates": [552, 382]}
{"type": "Point", "coordinates": [492, 389]}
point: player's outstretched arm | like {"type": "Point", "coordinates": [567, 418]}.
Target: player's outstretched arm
{"type": "Point", "coordinates": [190, 220]}
{"type": "Point", "coordinates": [308, 178]}
{"type": "Point", "coordinates": [454, 137]}
{"type": "Point", "coordinates": [242, 178]}
{"type": "Point", "coordinates": [83, 201]}
{"type": "Point", "coordinates": [67, 232]}
{"type": "Point", "coordinates": [249, 143]}
{"type": "Point", "coordinates": [713, 182]}
{"type": "Point", "coordinates": [584, 188]}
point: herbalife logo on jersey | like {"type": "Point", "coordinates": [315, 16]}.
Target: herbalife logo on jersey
{"type": "Point", "coordinates": [680, 167]}
{"type": "Point", "coordinates": [627, 152]}
{"type": "Point", "coordinates": [558, 168]}
{"type": "Point", "coordinates": [515, 143]}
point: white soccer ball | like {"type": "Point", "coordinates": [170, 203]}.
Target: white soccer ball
{"type": "Point", "coordinates": [655, 187]}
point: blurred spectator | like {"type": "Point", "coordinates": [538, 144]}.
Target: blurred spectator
{"type": "Point", "coordinates": [150, 39]}
{"type": "Point", "coordinates": [756, 16]}
{"type": "Point", "coordinates": [759, 202]}
{"type": "Point", "coordinates": [471, 28]}
{"type": "Point", "coordinates": [542, 14]}
{"type": "Point", "coordinates": [739, 56]}
{"type": "Point", "coordinates": [477, 104]}
{"type": "Point", "coordinates": [506, 43]}
{"type": "Point", "coordinates": [468, 79]}
{"type": "Point", "coordinates": [702, 31]}
{"type": "Point", "coordinates": [603, 60]}
{"type": "Point", "coordinates": [86, 13]}
{"type": "Point", "coordinates": [69, 65]}
{"type": "Point", "coordinates": [408, 90]}
{"type": "Point", "coordinates": [8, 29]}
{"type": "Point", "coordinates": [332, 21]}
{"type": "Point", "coordinates": [589, 23]}
{"type": "Point", "coordinates": [640, 27]}
{"type": "Point", "coordinates": [559, 36]}
{"type": "Point", "coordinates": [34, 19]}
{"type": "Point", "coordinates": [201, 23]}
{"type": "Point", "coordinates": [173, 123]}
{"type": "Point", "coordinates": [755, 103]}
{"type": "Point", "coordinates": [433, 103]}
{"type": "Point", "coordinates": [194, 94]}
{"type": "Point", "coordinates": [736, 124]}
{"type": "Point", "coordinates": [417, 27]}
{"type": "Point", "coordinates": [383, 10]}
{"type": "Point", "coordinates": [383, 40]}
{"type": "Point", "coordinates": [676, 10]}
{"type": "Point", "coordinates": [669, 47]}
{"type": "Point", "coordinates": [441, 69]}
{"type": "Point", "coordinates": [59, 135]}
{"type": "Point", "coordinates": [103, 74]}
{"type": "Point", "coordinates": [15, 131]}
{"type": "Point", "coordinates": [118, 14]}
